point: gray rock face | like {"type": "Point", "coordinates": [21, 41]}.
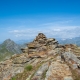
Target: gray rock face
{"type": "Point", "coordinates": [38, 75]}
{"type": "Point", "coordinates": [70, 56]}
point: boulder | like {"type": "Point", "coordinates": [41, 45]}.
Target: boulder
{"type": "Point", "coordinates": [70, 56]}
{"type": "Point", "coordinates": [58, 71]}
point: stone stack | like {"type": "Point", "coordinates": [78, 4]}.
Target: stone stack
{"type": "Point", "coordinates": [38, 44]}
{"type": "Point", "coordinates": [24, 50]}
{"type": "Point", "coordinates": [41, 38]}
{"type": "Point", "coordinates": [52, 43]}
{"type": "Point", "coordinates": [41, 43]}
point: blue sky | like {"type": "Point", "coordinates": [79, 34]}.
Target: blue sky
{"type": "Point", "coordinates": [24, 19]}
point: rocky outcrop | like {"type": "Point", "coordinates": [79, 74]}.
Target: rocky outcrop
{"type": "Point", "coordinates": [41, 44]}
{"type": "Point", "coordinates": [58, 71]}
{"type": "Point", "coordinates": [46, 60]}
{"type": "Point", "coordinates": [8, 69]}
{"type": "Point", "coordinates": [42, 70]}
{"type": "Point", "coordinates": [71, 59]}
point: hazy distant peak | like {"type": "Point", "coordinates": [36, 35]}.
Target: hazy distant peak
{"type": "Point", "coordinates": [7, 40]}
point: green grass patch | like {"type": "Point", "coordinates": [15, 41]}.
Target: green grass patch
{"type": "Point", "coordinates": [13, 78]}
{"type": "Point", "coordinates": [28, 67]}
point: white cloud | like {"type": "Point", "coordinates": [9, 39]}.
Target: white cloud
{"type": "Point", "coordinates": [56, 32]}
{"type": "Point", "coordinates": [55, 28]}
{"type": "Point", "coordinates": [14, 31]}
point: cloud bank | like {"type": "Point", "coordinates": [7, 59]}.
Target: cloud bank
{"type": "Point", "coordinates": [55, 32]}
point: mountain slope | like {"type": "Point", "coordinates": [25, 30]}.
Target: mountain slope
{"type": "Point", "coordinates": [8, 48]}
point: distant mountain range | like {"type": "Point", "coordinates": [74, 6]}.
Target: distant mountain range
{"type": "Point", "coordinates": [75, 40]}
{"type": "Point", "coordinates": [8, 48]}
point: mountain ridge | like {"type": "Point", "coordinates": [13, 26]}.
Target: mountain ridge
{"type": "Point", "coordinates": [75, 40]}
{"type": "Point", "coordinates": [8, 48]}
{"type": "Point", "coordinates": [43, 59]}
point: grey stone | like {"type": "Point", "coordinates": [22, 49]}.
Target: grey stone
{"type": "Point", "coordinates": [74, 66]}
{"type": "Point", "coordinates": [70, 56]}
{"type": "Point", "coordinates": [40, 71]}
{"type": "Point", "coordinates": [68, 78]}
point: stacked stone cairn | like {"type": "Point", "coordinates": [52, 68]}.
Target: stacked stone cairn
{"type": "Point", "coordinates": [40, 43]}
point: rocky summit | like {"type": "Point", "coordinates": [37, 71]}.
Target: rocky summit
{"type": "Point", "coordinates": [40, 45]}
{"type": "Point", "coordinates": [43, 59]}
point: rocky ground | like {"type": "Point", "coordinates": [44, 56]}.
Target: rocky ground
{"type": "Point", "coordinates": [43, 59]}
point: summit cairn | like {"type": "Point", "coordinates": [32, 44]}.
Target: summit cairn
{"type": "Point", "coordinates": [41, 38]}
{"type": "Point", "coordinates": [41, 44]}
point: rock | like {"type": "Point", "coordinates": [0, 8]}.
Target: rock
{"type": "Point", "coordinates": [52, 52]}
{"type": "Point", "coordinates": [50, 39]}
{"type": "Point", "coordinates": [40, 36]}
{"type": "Point", "coordinates": [68, 78]}
{"type": "Point", "coordinates": [56, 51]}
{"type": "Point", "coordinates": [8, 69]}
{"type": "Point", "coordinates": [32, 45]}
{"type": "Point", "coordinates": [28, 78]}
{"type": "Point", "coordinates": [41, 43]}
{"type": "Point", "coordinates": [74, 66]}
{"type": "Point", "coordinates": [70, 56]}
{"type": "Point", "coordinates": [78, 65]}
{"type": "Point", "coordinates": [17, 70]}
{"type": "Point", "coordinates": [35, 61]}
{"type": "Point", "coordinates": [78, 57]}
{"type": "Point", "coordinates": [21, 60]}
{"type": "Point", "coordinates": [58, 71]}
{"type": "Point", "coordinates": [24, 50]}
{"type": "Point", "coordinates": [38, 75]}
{"type": "Point", "coordinates": [58, 58]}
